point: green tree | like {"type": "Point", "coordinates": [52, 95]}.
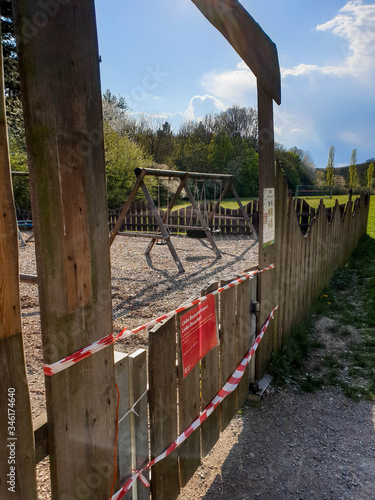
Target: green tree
{"type": "Point", "coordinates": [164, 144]}
{"type": "Point", "coordinates": [331, 166]}
{"type": "Point", "coordinates": [370, 174]}
{"type": "Point", "coordinates": [353, 177]}
{"type": "Point", "coordinates": [290, 163]}
{"type": "Point", "coordinates": [16, 129]}
{"type": "Point", "coordinates": [122, 156]}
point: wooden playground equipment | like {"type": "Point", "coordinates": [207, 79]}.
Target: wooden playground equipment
{"type": "Point", "coordinates": [163, 234]}
{"type": "Point", "coordinates": [59, 72]}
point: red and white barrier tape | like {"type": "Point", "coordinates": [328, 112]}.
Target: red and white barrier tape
{"type": "Point", "coordinates": [76, 357]}
{"type": "Point", "coordinates": [228, 388]}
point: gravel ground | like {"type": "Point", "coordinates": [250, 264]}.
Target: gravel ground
{"type": "Point", "coordinates": [142, 289]}
{"type": "Point", "coordinates": [291, 445]}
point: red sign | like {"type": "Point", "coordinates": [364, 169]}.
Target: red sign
{"type": "Point", "coordinates": [198, 333]}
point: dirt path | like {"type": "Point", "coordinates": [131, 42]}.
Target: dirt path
{"type": "Point", "coordinates": [292, 445]}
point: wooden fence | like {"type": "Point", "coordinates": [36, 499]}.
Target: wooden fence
{"type": "Point", "coordinates": [228, 221]}
{"type": "Point", "coordinates": [165, 402]}
{"type": "Point", "coordinates": [310, 245]}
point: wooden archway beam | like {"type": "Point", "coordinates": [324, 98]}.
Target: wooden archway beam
{"type": "Point", "coordinates": [248, 39]}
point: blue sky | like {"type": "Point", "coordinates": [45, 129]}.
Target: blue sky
{"type": "Point", "coordinates": [168, 62]}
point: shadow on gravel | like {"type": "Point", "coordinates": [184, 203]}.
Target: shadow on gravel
{"type": "Point", "coordinates": [150, 292]}
{"type": "Point", "coordinates": [293, 446]}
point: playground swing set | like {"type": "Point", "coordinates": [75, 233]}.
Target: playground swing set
{"type": "Point", "coordinates": [162, 234]}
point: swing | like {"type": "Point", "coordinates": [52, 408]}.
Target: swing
{"type": "Point", "coordinates": [198, 233]}
{"type": "Point", "coordinates": [217, 230]}
{"type": "Point", "coordinates": [163, 242]}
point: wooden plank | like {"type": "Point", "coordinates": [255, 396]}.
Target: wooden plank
{"type": "Point", "coordinates": [253, 323]}
{"type": "Point", "coordinates": [198, 214]}
{"type": "Point", "coordinates": [40, 426]}
{"type": "Point", "coordinates": [124, 431]}
{"type": "Point", "coordinates": [131, 234]}
{"type": "Point", "coordinates": [161, 227]}
{"type": "Point", "coordinates": [189, 408]}
{"type": "Point", "coordinates": [266, 282]}
{"type": "Point", "coordinates": [181, 186]}
{"type": "Point", "coordinates": [28, 278]}
{"type": "Point", "coordinates": [68, 197]}
{"type": "Point", "coordinates": [244, 334]}
{"type": "Point", "coordinates": [163, 409]}
{"type": "Point", "coordinates": [125, 209]}
{"type": "Point", "coordinates": [17, 464]}
{"type": "Point", "coordinates": [243, 212]}
{"type": "Point", "coordinates": [210, 386]}
{"type": "Point", "coordinates": [248, 40]}
{"type": "Point", "coordinates": [281, 194]}
{"type": "Point", "coordinates": [228, 361]}
{"type": "Point", "coordinates": [139, 419]}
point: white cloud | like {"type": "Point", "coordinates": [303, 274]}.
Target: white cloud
{"type": "Point", "coordinates": [233, 86]}
{"type": "Point", "coordinates": [200, 105]}
{"type": "Point", "coordinates": [355, 25]}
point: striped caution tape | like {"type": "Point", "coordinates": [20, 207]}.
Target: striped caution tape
{"type": "Point", "coordinates": [76, 357]}
{"type": "Point", "coordinates": [228, 388]}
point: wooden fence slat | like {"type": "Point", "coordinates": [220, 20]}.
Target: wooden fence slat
{"type": "Point", "coordinates": [228, 360]}
{"type": "Point", "coordinates": [189, 408]}
{"type": "Point", "coordinates": [244, 333]}
{"type": "Point", "coordinates": [139, 418]}
{"type": "Point", "coordinates": [163, 409]}
{"type": "Point", "coordinates": [124, 435]}
{"type": "Point", "coordinates": [17, 463]}
{"type": "Point", "coordinates": [210, 386]}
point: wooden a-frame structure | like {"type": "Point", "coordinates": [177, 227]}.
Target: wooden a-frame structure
{"type": "Point", "coordinates": [162, 232]}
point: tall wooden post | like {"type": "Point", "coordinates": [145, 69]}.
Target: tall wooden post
{"type": "Point", "coordinates": [259, 52]}
{"type": "Point", "coordinates": [267, 254]}
{"type": "Point", "coordinates": [17, 462]}
{"type": "Point", "coordinates": [59, 72]}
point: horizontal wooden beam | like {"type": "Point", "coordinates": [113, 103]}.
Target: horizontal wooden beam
{"type": "Point", "coordinates": [157, 236]}
{"type": "Point", "coordinates": [174, 173]}
{"type": "Point", "coordinates": [28, 278]}
{"type": "Point", "coordinates": [248, 39]}
{"type": "Point", "coordinates": [16, 172]}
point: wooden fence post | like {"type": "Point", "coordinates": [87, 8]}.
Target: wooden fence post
{"type": "Point", "coordinates": [266, 282]}
{"type": "Point", "coordinates": [17, 463]}
{"type": "Point", "coordinates": [59, 72]}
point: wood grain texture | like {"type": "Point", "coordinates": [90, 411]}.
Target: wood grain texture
{"type": "Point", "coordinates": [139, 418]}
{"type": "Point", "coordinates": [163, 409]}
{"type": "Point", "coordinates": [248, 40]}
{"type": "Point", "coordinates": [12, 362]}
{"type": "Point", "coordinates": [122, 369]}
{"type": "Point", "coordinates": [59, 72]}
{"type": "Point", "coordinates": [266, 288]}
{"type": "Point", "coordinates": [189, 451]}
{"type": "Point", "coordinates": [244, 333]}
{"type": "Point", "coordinates": [228, 349]}
{"type": "Point", "coordinates": [210, 386]}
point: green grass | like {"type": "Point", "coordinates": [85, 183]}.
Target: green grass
{"type": "Point", "coordinates": [315, 201]}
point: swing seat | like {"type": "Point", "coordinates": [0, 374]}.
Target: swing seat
{"type": "Point", "coordinates": [25, 224]}
{"type": "Point", "coordinates": [196, 233]}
